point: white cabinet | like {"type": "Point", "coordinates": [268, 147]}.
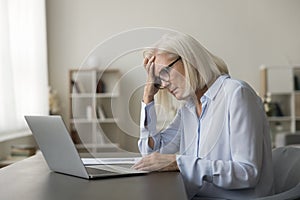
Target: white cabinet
{"type": "Point", "coordinates": [94, 96]}
{"type": "Point", "coordinates": [280, 89]}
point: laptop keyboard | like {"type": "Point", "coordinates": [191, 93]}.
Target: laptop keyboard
{"type": "Point", "coordinates": [98, 171]}
{"type": "Point", "coordinates": [115, 169]}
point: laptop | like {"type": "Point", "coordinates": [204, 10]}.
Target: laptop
{"type": "Point", "coordinates": [62, 156]}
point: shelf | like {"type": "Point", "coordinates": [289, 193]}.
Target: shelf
{"type": "Point", "coordinates": [281, 93]}
{"type": "Point", "coordinates": [95, 95]}
{"type": "Point", "coordinates": [281, 97]}
{"type": "Point", "coordinates": [107, 120]}
{"type": "Point", "coordinates": [279, 119]}
{"type": "Point", "coordinates": [94, 148]}
{"type": "Point", "coordinates": [89, 146]}
{"type": "Point", "coordinates": [11, 160]}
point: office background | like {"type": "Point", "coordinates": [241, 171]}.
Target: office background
{"type": "Point", "coordinates": [245, 33]}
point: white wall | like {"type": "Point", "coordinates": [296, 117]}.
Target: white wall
{"type": "Point", "coordinates": [245, 33]}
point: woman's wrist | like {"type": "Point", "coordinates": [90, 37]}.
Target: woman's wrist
{"type": "Point", "coordinates": [149, 92]}
{"type": "Point", "coordinates": [172, 166]}
{"type": "Point", "coordinates": [148, 98]}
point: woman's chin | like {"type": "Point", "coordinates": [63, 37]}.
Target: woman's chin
{"type": "Point", "coordinates": [180, 95]}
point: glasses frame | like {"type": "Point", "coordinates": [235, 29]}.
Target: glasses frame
{"type": "Point", "coordinates": [166, 70]}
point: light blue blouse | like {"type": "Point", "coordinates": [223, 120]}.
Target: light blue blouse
{"type": "Point", "coordinates": [226, 152]}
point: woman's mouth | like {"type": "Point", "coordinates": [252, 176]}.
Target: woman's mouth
{"type": "Point", "coordinates": [173, 90]}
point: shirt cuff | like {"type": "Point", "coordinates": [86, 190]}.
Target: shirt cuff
{"type": "Point", "coordinates": [191, 166]}
{"type": "Point", "coordinates": [148, 118]}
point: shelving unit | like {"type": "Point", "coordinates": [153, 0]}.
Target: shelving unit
{"type": "Point", "coordinates": [280, 89]}
{"type": "Point", "coordinates": [94, 95]}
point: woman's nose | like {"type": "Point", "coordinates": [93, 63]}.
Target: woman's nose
{"type": "Point", "coordinates": [165, 84]}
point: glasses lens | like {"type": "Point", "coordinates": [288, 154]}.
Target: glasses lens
{"type": "Point", "coordinates": [157, 83]}
{"type": "Point", "coordinates": [164, 75]}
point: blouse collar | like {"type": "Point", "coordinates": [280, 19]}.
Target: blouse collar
{"type": "Point", "coordinates": [211, 92]}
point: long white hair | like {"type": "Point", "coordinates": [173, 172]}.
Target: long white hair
{"type": "Point", "coordinates": [201, 67]}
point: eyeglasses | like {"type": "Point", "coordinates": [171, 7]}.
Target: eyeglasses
{"type": "Point", "coordinates": [164, 75]}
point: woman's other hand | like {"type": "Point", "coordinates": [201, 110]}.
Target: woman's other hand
{"type": "Point", "coordinates": [157, 162]}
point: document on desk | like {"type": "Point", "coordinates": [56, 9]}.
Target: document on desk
{"type": "Point", "coordinates": [110, 161]}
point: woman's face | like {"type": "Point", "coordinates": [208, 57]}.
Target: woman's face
{"type": "Point", "coordinates": [176, 84]}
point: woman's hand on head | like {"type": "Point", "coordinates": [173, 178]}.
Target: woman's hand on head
{"type": "Point", "coordinates": [150, 90]}
{"type": "Point", "coordinates": [157, 162]}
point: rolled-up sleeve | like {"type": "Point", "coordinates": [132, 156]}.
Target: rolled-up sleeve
{"type": "Point", "coordinates": [165, 141]}
{"type": "Point", "coordinates": [194, 171]}
{"type": "Point", "coordinates": [148, 128]}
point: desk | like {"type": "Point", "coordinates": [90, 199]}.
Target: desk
{"type": "Point", "coordinates": [31, 179]}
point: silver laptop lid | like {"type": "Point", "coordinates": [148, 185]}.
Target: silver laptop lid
{"type": "Point", "coordinates": [56, 145]}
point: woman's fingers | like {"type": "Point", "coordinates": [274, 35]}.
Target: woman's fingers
{"type": "Point", "coordinates": [151, 70]}
{"type": "Point", "coordinates": [149, 90]}
{"type": "Point", "coordinates": [148, 62]}
{"type": "Point", "coordinates": [157, 162]}
{"type": "Point", "coordinates": [142, 164]}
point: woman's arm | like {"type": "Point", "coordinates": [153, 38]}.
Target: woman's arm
{"type": "Point", "coordinates": [246, 129]}
{"type": "Point", "coordinates": [166, 141]}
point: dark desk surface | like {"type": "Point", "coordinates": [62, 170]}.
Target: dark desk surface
{"type": "Point", "coordinates": [31, 179]}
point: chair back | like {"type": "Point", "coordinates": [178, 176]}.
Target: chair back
{"type": "Point", "coordinates": [286, 163]}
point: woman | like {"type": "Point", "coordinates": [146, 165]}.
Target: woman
{"type": "Point", "coordinates": [219, 139]}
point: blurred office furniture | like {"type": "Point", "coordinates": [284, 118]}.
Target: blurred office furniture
{"type": "Point", "coordinates": [94, 96]}
{"type": "Point", "coordinates": [285, 139]}
{"type": "Point", "coordinates": [280, 91]}
{"type": "Point", "coordinates": [286, 164]}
